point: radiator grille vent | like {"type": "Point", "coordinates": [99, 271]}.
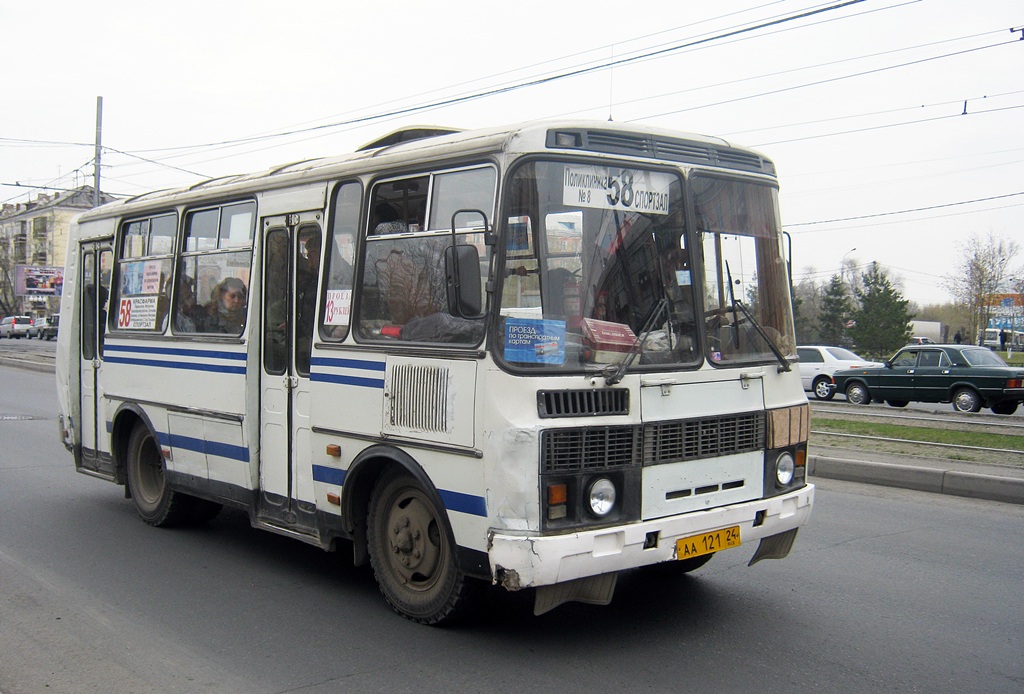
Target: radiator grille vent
{"type": "Point", "coordinates": [419, 398]}
{"type": "Point", "coordinates": [604, 448]}
{"type": "Point", "coordinates": [576, 403]}
{"type": "Point", "coordinates": [589, 448]}
{"type": "Point", "coordinates": [668, 442]}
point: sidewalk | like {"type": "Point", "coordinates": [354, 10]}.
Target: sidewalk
{"type": "Point", "coordinates": [937, 475]}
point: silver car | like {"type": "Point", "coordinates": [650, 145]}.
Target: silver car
{"type": "Point", "coordinates": [818, 363]}
{"type": "Point", "coordinates": [15, 326]}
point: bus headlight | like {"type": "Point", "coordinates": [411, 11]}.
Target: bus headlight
{"type": "Point", "coordinates": [601, 497]}
{"type": "Point", "coordinates": [785, 466]}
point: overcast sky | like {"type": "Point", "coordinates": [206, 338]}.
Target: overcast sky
{"type": "Point", "coordinates": [897, 126]}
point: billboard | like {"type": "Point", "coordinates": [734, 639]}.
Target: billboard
{"type": "Point", "coordinates": [37, 280]}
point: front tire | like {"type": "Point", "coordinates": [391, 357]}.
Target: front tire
{"type": "Point", "coordinates": [896, 403]}
{"type": "Point", "coordinates": [823, 389]}
{"type": "Point", "coordinates": [966, 400]}
{"type": "Point", "coordinates": [857, 394]}
{"type": "Point", "coordinates": [412, 552]}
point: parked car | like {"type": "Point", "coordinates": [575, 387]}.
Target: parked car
{"type": "Point", "coordinates": [921, 341]}
{"type": "Point", "coordinates": [37, 327]}
{"type": "Point", "coordinates": [52, 324]}
{"type": "Point", "coordinates": [969, 377]}
{"type": "Point", "coordinates": [15, 326]}
{"type": "Point", "coordinates": [818, 363]}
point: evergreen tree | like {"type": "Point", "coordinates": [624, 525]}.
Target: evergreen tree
{"type": "Point", "coordinates": [836, 309]}
{"type": "Point", "coordinates": [882, 320]}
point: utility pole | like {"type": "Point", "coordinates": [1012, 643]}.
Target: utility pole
{"type": "Point", "coordinates": [99, 149]}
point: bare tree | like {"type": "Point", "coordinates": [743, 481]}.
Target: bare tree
{"type": "Point", "coordinates": [982, 270]}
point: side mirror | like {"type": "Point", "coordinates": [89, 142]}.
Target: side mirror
{"type": "Point", "coordinates": [464, 283]}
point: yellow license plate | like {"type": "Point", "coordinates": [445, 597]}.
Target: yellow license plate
{"type": "Point", "coordinates": [706, 543]}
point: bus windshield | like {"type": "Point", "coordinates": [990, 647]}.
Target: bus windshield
{"type": "Point", "coordinates": [602, 274]}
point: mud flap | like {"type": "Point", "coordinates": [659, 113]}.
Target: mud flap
{"type": "Point", "coordinates": [774, 547]}
{"type": "Point", "coordinates": [594, 590]}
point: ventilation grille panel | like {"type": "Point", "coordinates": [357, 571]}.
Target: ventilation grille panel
{"type": "Point", "coordinates": [419, 398]}
{"type": "Point", "coordinates": [579, 403]}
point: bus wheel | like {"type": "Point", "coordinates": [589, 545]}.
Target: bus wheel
{"type": "Point", "coordinates": [147, 480]}
{"type": "Point", "coordinates": [411, 552]}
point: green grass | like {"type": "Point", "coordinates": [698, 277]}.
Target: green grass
{"type": "Point", "coordinates": [911, 433]}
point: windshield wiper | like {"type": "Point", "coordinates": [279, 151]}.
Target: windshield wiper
{"type": "Point", "coordinates": [619, 370]}
{"type": "Point", "coordinates": [760, 331]}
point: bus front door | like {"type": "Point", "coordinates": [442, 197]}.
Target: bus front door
{"type": "Point", "coordinates": [291, 257]}
{"type": "Point", "coordinates": [95, 265]}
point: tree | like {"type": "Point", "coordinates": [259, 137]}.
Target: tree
{"type": "Point", "coordinates": [882, 320]}
{"type": "Point", "coordinates": [836, 310]}
{"type": "Point", "coordinates": [981, 271]}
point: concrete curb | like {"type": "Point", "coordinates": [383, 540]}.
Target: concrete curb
{"type": "Point", "coordinates": [925, 479]}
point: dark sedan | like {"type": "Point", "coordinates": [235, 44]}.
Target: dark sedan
{"type": "Point", "coordinates": [969, 377]}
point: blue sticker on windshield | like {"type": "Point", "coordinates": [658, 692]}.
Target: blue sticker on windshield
{"type": "Point", "coordinates": [535, 341]}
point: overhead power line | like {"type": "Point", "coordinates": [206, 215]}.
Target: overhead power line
{"type": "Point", "coordinates": [908, 211]}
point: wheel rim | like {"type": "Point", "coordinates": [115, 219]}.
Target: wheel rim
{"type": "Point", "coordinates": [855, 394]}
{"type": "Point", "coordinates": [965, 401]}
{"type": "Point", "coordinates": [414, 547]}
{"type": "Point", "coordinates": [149, 474]}
{"type": "Point", "coordinates": [821, 389]}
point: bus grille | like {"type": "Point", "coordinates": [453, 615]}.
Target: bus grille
{"type": "Point", "coordinates": [419, 397]}
{"type": "Point", "coordinates": [576, 403]}
{"type": "Point", "coordinates": [589, 448]}
{"type": "Point", "coordinates": [656, 443]}
{"type": "Point", "coordinates": [708, 437]}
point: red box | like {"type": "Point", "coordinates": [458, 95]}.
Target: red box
{"type": "Point", "coordinates": [603, 337]}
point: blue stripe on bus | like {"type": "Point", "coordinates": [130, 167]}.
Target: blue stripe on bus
{"type": "Point", "coordinates": [453, 501]}
{"type": "Point", "coordinates": [176, 351]}
{"type": "Point", "coordinates": [464, 503]}
{"type": "Point", "coordinates": [217, 448]}
{"type": "Point", "coordinates": [348, 380]}
{"type": "Point", "coordinates": [349, 363]}
{"type": "Point", "coordinates": [190, 366]}
{"type": "Point", "coordinates": [330, 475]}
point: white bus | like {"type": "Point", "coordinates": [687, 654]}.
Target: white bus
{"type": "Point", "coordinates": [538, 356]}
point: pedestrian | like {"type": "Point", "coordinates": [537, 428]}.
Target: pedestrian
{"type": "Point", "coordinates": [1002, 340]}
{"type": "Point", "coordinates": [958, 338]}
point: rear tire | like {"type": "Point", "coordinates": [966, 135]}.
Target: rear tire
{"type": "Point", "coordinates": [857, 394]}
{"type": "Point", "coordinates": [896, 403]}
{"type": "Point", "coordinates": [823, 389]}
{"type": "Point", "coordinates": [412, 552]}
{"type": "Point", "coordinates": [154, 501]}
{"type": "Point", "coordinates": [966, 400]}
{"type": "Point", "coordinates": [1005, 407]}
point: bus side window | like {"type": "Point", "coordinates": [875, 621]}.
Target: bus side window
{"type": "Point", "coordinates": [215, 265]}
{"type": "Point", "coordinates": [144, 262]}
{"type": "Point", "coordinates": [336, 315]}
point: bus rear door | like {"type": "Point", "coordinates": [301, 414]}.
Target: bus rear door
{"type": "Point", "coordinates": [291, 258]}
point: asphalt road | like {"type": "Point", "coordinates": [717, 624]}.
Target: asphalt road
{"type": "Point", "coordinates": [886, 590]}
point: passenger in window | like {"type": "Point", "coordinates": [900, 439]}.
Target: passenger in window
{"type": "Point", "coordinates": [305, 300]}
{"type": "Point", "coordinates": [388, 221]}
{"type": "Point", "coordinates": [185, 316]}
{"type": "Point", "coordinates": [226, 311]}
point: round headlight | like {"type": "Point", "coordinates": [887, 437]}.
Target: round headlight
{"type": "Point", "coordinates": [784, 467]}
{"type": "Point", "coordinates": [601, 496]}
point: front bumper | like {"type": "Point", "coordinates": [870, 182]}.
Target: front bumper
{"type": "Point", "coordinates": [524, 561]}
